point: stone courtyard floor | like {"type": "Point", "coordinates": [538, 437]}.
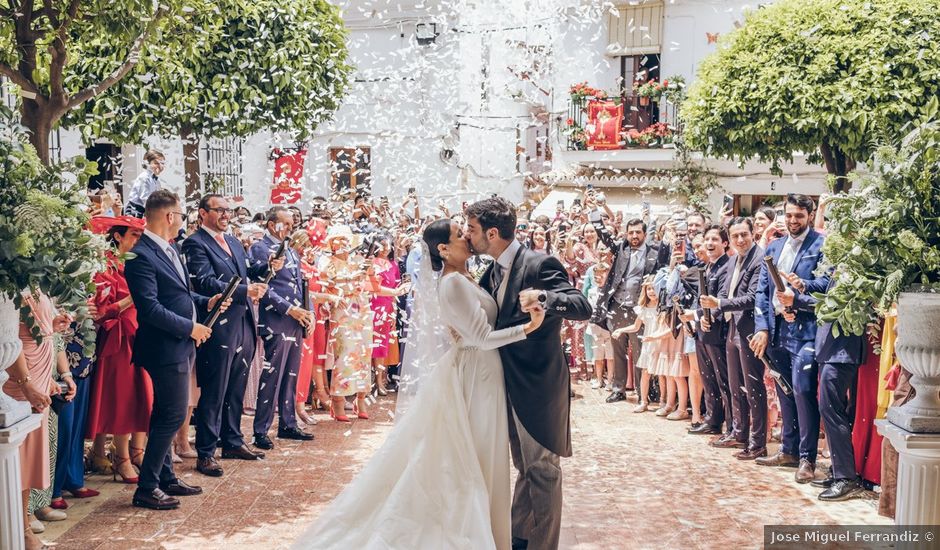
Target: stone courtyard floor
{"type": "Point", "coordinates": [635, 481]}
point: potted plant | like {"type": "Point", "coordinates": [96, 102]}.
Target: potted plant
{"type": "Point", "coordinates": [884, 244]}
{"type": "Point", "coordinates": [44, 244]}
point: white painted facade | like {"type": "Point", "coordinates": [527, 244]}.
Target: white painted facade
{"type": "Point", "coordinates": [492, 88]}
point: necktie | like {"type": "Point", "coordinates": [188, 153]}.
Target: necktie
{"type": "Point", "coordinates": [219, 238]}
{"type": "Point", "coordinates": [734, 281]}
{"type": "Point", "coordinates": [175, 258]}
{"type": "Point", "coordinates": [785, 264]}
{"type": "Point", "coordinates": [497, 277]}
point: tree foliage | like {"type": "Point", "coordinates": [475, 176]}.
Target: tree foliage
{"type": "Point", "coordinates": [833, 78]}
{"type": "Point", "coordinates": [884, 237]}
{"type": "Point", "coordinates": [43, 46]}
{"type": "Point", "coordinates": [230, 68]}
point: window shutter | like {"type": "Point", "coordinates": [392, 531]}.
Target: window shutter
{"type": "Point", "coordinates": [635, 28]}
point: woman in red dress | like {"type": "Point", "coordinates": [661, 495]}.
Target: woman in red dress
{"type": "Point", "coordinates": [313, 352]}
{"type": "Point", "coordinates": [121, 394]}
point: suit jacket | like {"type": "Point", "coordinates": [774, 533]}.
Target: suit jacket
{"type": "Point", "coordinates": [164, 305]}
{"type": "Point", "coordinates": [284, 290]}
{"type": "Point", "coordinates": [535, 369]}
{"type": "Point", "coordinates": [741, 306]}
{"type": "Point", "coordinates": [715, 281]}
{"type": "Point", "coordinates": [803, 328]}
{"type": "Point", "coordinates": [618, 272]}
{"type": "Point", "coordinates": [211, 269]}
{"type": "Point", "coordinates": [845, 348]}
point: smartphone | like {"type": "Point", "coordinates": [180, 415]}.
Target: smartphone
{"type": "Point", "coordinates": [594, 216]}
{"type": "Point", "coordinates": [727, 203]}
{"type": "Point", "coordinates": [412, 191]}
{"type": "Point", "coordinates": [646, 206]}
{"type": "Point", "coordinates": [577, 202]}
{"type": "Point", "coordinates": [560, 206]}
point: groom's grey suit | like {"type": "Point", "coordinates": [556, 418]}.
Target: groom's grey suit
{"type": "Point", "coordinates": [538, 387]}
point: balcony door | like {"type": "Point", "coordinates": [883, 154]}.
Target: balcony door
{"type": "Point", "coordinates": [638, 68]}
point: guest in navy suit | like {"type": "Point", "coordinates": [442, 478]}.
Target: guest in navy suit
{"type": "Point", "coordinates": [165, 343]}
{"type": "Point", "coordinates": [791, 344]}
{"type": "Point", "coordinates": [222, 364]}
{"type": "Point", "coordinates": [736, 304]}
{"type": "Point", "coordinates": [838, 357]}
{"type": "Point", "coordinates": [281, 328]}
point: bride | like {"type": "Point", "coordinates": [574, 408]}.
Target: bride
{"type": "Point", "coordinates": [441, 479]}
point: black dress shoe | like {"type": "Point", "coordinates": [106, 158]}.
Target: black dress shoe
{"type": "Point", "coordinates": [262, 441]}
{"type": "Point", "coordinates": [180, 488]}
{"type": "Point", "coordinates": [704, 429]}
{"type": "Point", "coordinates": [843, 489]}
{"type": "Point", "coordinates": [822, 483]}
{"type": "Point", "coordinates": [243, 453]}
{"type": "Point", "coordinates": [209, 466]}
{"type": "Point", "coordinates": [294, 433]}
{"type": "Point", "coordinates": [616, 396]}
{"type": "Point", "coordinates": [155, 499]}
{"type": "Point", "coordinates": [519, 544]}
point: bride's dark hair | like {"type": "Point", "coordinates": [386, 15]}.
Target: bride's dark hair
{"type": "Point", "coordinates": [435, 234]}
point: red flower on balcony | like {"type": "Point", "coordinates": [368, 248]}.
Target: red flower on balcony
{"type": "Point", "coordinates": [570, 122]}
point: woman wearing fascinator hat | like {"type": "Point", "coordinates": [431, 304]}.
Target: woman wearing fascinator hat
{"type": "Point", "coordinates": [121, 395]}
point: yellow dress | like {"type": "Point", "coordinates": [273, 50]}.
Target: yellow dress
{"type": "Point", "coordinates": [350, 328]}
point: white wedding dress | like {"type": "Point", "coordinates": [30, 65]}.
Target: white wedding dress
{"type": "Point", "coordinates": [441, 479]}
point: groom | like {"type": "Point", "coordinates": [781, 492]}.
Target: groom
{"type": "Point", "coordinates": [537, 379]}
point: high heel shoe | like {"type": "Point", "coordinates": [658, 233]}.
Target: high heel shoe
{"type": "Point", "coordinates": [360, 412]}
{"type": "Point", "coordinates": [381, 391]}
{"type": "Point", "coordinates": [322, 402]}
{"type": "Point", "coordinates": [115, 473]}
{"type": "Point", "coordinates": [338, 417]}
{"type": "Point", "coordinates": [136, 452]}
{"type": "Point", "coordinates": [84, 492]}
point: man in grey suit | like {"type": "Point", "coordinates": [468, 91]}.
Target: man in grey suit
{"type": "Point", "coordinates": [633, 260]}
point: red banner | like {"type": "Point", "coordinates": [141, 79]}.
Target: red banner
{"type": "Point", "coordinates": [606, 118]}
{"type": "Point", "coordinates": [288, 172]}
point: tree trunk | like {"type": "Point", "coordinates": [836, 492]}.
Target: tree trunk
{"type": "Point", "coordinates": [36, 119]}
{"type": "Point", "coordinates": [191, 166]}
{"type": "Point", "coordinates": [839, 165]}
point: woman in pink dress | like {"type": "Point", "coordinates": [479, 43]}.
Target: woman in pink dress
{"type": "Point", "coordinates": [383, 309]}
{"type": "Point", "coordinates": [31, 381]}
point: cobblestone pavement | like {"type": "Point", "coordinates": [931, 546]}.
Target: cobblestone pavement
{"type": "Point", "coordinates": [635, 481]}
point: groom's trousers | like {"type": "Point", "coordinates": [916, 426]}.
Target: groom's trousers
{"type": "Point", "coordinates": [536, 503]}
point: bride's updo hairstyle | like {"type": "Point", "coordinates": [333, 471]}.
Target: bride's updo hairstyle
{"type": "Point", "coordinates": [435, 234]}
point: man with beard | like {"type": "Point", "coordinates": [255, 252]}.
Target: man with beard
{"type": "Point", "coordinates": [791, 344]}
{"type": "Point", "coordinates": [633, 259]}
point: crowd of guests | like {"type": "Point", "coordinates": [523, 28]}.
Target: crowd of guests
{"type": "Point", "coordinates": [687, 323]}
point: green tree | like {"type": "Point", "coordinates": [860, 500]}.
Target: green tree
{"type": "Point", "coordinates": [253, 65]}
{"type": "Point", "coordinates": [41, 45]}
{"type": "Point", "coordinates": [831, 78]}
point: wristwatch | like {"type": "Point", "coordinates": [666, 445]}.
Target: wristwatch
{"type": "Point", "coordinates": [543, 297]}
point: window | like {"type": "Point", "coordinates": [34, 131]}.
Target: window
{"type": "Point", "coordinates": [635, 29]}
{"type": "Point", "coordinates": [350, 171]}
{"type": "Point", "coordinates": [223, 172]}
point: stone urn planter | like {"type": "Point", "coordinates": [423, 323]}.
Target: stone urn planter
{"type": "Point", "coordinates": [11, 410]}
{"type": "Point", "coordinates": [918, 349]}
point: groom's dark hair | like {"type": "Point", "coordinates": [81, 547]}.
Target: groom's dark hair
{"type": "Point", "coordinates": [495, 212]}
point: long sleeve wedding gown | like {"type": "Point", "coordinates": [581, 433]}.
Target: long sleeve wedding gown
{"type": "Point", "coordinates": [441, 479]}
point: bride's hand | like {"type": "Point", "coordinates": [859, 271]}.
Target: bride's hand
{"type": "Point", "coordinates": [537, 315]}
